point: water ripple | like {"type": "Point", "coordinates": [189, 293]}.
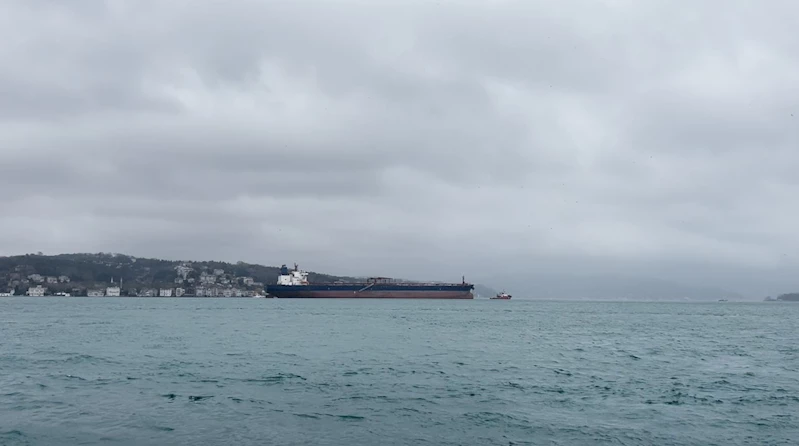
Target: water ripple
{"type": "Point", "coordinates": [193, 371]}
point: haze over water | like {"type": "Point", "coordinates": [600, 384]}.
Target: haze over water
{"type": "Point", "coordinates": [333, 372]}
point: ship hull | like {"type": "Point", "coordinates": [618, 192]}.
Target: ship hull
{"type": "Point", "coordinates": [360, 291]}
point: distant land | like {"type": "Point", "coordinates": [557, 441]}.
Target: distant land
{"type": "Point", "coordinates": [788, 297]}
{"type": "Point", "coordinates": [110, 274]}
{"type": "Point", "coordinates": [107, 274]}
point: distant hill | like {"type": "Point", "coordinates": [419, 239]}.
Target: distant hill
{"type": "Point", "coordinates": [78, 273]}
{"type": "Point", "coordinates": [82, 274]}
{"type": "Point", "coordinates": [789, 297]}
{"type": "Point", "coordinates": [484, 292]}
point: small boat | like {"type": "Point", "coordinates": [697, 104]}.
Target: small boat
{"type": "Point", "coordinates": [501, 296]}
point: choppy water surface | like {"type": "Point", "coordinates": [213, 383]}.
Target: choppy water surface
{"type": "Point", "coordinates": [327, 372]}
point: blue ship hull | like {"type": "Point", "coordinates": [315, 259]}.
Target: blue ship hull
{"type": "Point", "coordinates": [372, 291]}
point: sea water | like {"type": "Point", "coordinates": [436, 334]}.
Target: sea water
{"type": "Point", "coordinates": [120, 371]}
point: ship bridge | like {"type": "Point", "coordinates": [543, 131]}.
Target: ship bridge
{"type": "Point", "coordinates": [294, 277]}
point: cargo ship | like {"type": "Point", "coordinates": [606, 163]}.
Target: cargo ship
{"type": "Point", "coordinates": [294, 285]}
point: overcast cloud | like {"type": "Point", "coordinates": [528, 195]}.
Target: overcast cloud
{"type": "Point", "coordinates": [424, 139]}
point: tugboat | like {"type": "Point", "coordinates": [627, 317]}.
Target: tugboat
{"type": "Point", "coordinates": [501, 296]}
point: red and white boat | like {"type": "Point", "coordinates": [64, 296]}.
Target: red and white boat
{"type": "Point", "coordinates": [502, 296]}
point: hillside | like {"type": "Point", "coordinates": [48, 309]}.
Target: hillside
{"type": "Point", "coordinates": [79, 274]}
{"type": "Point", "coordinates": [789, 297]}
{"type": "Point", "coordinates": [484, 292]}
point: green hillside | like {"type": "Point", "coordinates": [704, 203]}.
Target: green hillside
{"type": "Point", "coordinates": [77, 273]}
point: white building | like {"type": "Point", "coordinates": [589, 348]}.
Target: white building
{"type": "Point", "coordinates": [179, 292]}
{"type": "Point", "coordinates": [36, 291]}
{"type": "Point", "coordinates": [248, 281]}
{"type": "Point", "coordinates": [7, 294]}
{"type": "Point", "coordinates": [183, 271]}
{"type": "Point", "coordinates": [95, 293]}
{"type": "Point", "coordinates": [112, 291]}
{"type": "Point", "coordinates": [219, 272]}
{"type": "Point", "coordinates": [165, 292]}
{"type": "Point", "coordinates": [63, 279]}
{"type": "Point", "coordinates": [36, 278]}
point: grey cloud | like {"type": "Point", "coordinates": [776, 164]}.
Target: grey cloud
{"type": "Point", "coordinates": [415, 139]}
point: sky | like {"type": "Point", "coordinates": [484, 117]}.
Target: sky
{"type": "Point", "coordinates": [501, 140]}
